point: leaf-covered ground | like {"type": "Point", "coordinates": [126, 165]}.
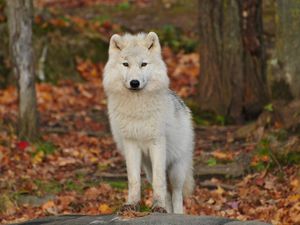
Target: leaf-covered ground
{"type": "Point", "coordinates": [75, 167]}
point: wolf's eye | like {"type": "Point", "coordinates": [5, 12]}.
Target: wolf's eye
{"type": "Point", "coordinates": [125, 64]}
{"type": "Point", "coordinates": [144, 64]}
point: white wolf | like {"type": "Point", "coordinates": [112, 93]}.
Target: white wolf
{"type": "Point", "coordinates": [150, 124]}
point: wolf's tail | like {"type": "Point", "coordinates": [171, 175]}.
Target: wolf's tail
{"type": "Point", "coordinates": [189, 183]}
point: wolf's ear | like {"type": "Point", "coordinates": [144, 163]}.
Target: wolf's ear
{"type": "Point", "coordinates": [152, 42]}
{"type": "Point", "coordinates": [115, 43]}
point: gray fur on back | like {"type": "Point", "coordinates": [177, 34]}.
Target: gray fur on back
{"type": "Point", "coordinates": [178, 102]}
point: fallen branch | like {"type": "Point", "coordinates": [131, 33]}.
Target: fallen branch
{"type": "Point", "coordinates": [227, 170]}
{"type": "Point", "coordinates": [61, 130]}
{"type": "Point", "coordinates": [212, 185]}
{"type": "Point", "coordinates": [111, 176]}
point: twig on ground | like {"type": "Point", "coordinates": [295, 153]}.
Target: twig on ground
{"type": "Point", "coordinates": [61, 130]}
{"type": "Point", "coordinates": [209, 184]}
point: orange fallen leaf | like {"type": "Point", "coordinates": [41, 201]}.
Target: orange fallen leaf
{"type": "Point", "coordinates": [50, 207]}
{"type": "Point", "coordinates": [223, 155]}
{"type": "Point", "coordinates": [104, 209]}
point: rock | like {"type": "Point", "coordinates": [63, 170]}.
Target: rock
{"type": "Point", "coordinates": [290, 115]}
{"type": "Point", "coordinates": [153, 219]}
{"type": "Point", "coordinates": [280, 115]}
{"type": "Point", "coordinates": [244, 131]}
{"type": "Point", "coordinates": [34, 200]}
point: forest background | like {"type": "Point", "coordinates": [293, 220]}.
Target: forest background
{"type": "Point", "coordinates": [234, 62]}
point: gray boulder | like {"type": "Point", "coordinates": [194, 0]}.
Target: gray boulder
{"type": "Point", "coordinates": [153, 219]}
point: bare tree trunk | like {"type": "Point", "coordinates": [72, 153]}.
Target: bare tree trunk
{"type": "Point", "coordinates": [20, 13]}
{"type": "Point", "coordinates": [285, 67]}
{"type": "Point", "coordinates": [256, 94]}
{"type": "Point", "coordinates": [232, 79]}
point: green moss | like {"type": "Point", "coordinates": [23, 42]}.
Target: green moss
{"type": "Point", "coordinates": [50, 186]}
{"type": "Point", "coordinates": [90, 183]}
{"type": "Point", "coordinates": [211, 162]}
{"type": "Point", "coordinates": [208, 118]}
{"type": "Point", "coordinates": [204, 117]}
{"type": "Point", "coordinates": [45, 147]}
{"type": "Point", "coordinates": [144, 208]}
{"type": "Point", "coordinates": [276, 158]}
{"type": "Point", "coordinates": [292, 158]}
{"type": "Point", "coordinates": [174, 38]}
{"type": "Point", "coordinates": [124, 6]}
{"type": "Point", "coordinates": [118, 184]}
{"type": "Point", "coordinates": [200, 121]}
{"type": "Point", "coordinates": [260, 166]}
{"type": "Point", "coordinates": [71, 185]}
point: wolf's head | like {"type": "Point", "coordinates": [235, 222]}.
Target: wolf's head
{"type": "Point", "coordinates": [135, 64]}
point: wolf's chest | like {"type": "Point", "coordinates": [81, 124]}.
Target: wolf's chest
{"type": "Point", "coordinates": [139, 126]}
{"type": "Point", "coordinates": [137, 122]}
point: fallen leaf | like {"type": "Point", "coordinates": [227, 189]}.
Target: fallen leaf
{"type": "Point", "coordinates": [133, 214]}
{"type": "Point", "coordinates": [222, 155]}
{"type": "Point", "coordinates": [38, 157]}
{"type": "Point", "coordinates": [50, 208]}
{"type": "Point", "coordinates": [220, 190]}
{"type": "Point", "coordinates": [22, 145]}
{"type": "Point", "coordinates": [104, 209]}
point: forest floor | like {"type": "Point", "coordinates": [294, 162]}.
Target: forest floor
{"type": "Point", "coordinates": [75, 168]}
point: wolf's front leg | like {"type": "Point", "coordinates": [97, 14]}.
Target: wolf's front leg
{"type": "Point", "coordinates": [158, 160]}
{"type": "Point", "coordinates": [133, 163]}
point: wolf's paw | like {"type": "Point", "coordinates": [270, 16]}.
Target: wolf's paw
{"type": "Point", "coordinates": [158, 209]}
{"type": "Point", "coordinates": [129, 208]}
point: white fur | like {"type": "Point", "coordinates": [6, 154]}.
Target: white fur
{"type": "Point", "coordinates": [151, 126]}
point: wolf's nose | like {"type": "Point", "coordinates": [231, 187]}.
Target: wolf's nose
{"type": "Point", "coordinates": [134, 83]}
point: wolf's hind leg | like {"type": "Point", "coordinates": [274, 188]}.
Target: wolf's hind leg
{"type": "Point", "coordinates": [146, 163]}
{"type": "Point", "coordinates": [169, 204]}
{"type": "Point", "coordinates": [177, 175]}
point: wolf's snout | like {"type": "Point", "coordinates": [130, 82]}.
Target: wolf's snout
{"type": "Point", "coordinates": [134, 84]}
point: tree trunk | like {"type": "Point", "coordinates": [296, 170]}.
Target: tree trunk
{"type": "Point", "coordinates": [20, 13]}
{"type": "Point", "coordinates": [232, 81]}
{"type": "Point", "coordinates": [285, 66]}
{"type": "Point", "coordinates": [256, 94]}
